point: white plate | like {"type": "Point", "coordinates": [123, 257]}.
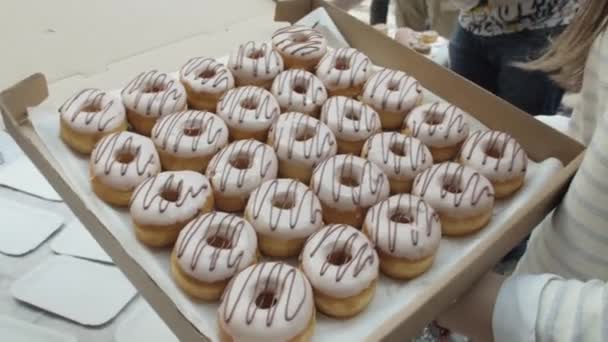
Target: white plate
{"type": "Point", "coordinates": [143, 324]}
{"type": "Point", "coordinates": [12, 330]}
{"type": "Point", "coordinates": [85, 292]}
{"type": "Point", "coordinates": [23, 176]}
{"type": "Point", "coordinates": [75, 240]}
{"type": "Point", "coordinates": [24, 228]}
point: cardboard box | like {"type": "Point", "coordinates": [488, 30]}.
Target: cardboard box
{"type": "Point", "coordinates": [539, 141]}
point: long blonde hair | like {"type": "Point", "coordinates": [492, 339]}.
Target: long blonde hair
{"type": "Point", "coordinates": [566, 57]}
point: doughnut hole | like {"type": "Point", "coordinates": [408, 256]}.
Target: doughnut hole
{"type": "Point", "coordinates": [91, 108]}
{"type": "Point", "coordinates": [154, 88]}
{"type": "Point", "coordinates": [494, 151]}
{"type": "Point", "coordinates": [241, 161]}
{"type": "Point", "coordinates": [193, 128]}
{"type": "Point", "coordinates": [452, 187]}
{"type": "Point", "coordinates": [300, 85]}
{"type": "Point", "coordinates": [339, 257]}
{"type": "Point", "coordinates": [299, 38]}
{"type": "Point", "coordinates": [220, 241]}
{"type": "Point", "coordinates": [256, 54]}
{"type": "Point", "coordinates": [349, 178]}
{"type": "Point", "coordinates": [169, 194]}
{"type": "Point", "coordinates": [207, 73]}
{"type": "Point", "coordinates": [433, 119]}
{"type": "Point", "coordinates": [266, 299]}
{"type": "Point", "coordinates": [398, 149]}
{"type": "Point", "coordinates": [284, 201]}
{"type": "Point", "coordinates": [250, 103]}
{"type": "Point", "coordinates": [305, 132]}
{"type": "Point", "coordinates": [125, 156]}
{"type": "Point", "coordinates": [352, 114]}
{"type": "Point", "coordinates": [342, 63]}
{"type": "Point", "coordinates": [401, 217]}
{"type": "Point", "coordinates": [393, 85]}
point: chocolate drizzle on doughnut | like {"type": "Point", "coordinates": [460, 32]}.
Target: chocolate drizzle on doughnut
{"type": "Point", "coordinates": [280, 281]}
{"type": "Point", "coordinates": [286, 132]}
{"type": "Point", "coordinates": [161, 85]}
{"type": "Point", "coordinates": [259, 198]}
{"type": "Point", "coordinates": [169, 126]}
{"type": "Point", "coordinates": [454, 116]}
{"type": "Point", "coordinates": [357, 259]}
{"type": "Point", "coordinates": [499, 142]}
{"type": "Point", "coordinates": [331, 168]}
{"type": "Point", "coordinates": [420, 214]}
{"type": "Point", "coordinates": [229, 227]}
{"type": "Point", "coordinates": [417, 156]}
{"type": "Point", "coordinates": [221, 75]}
{"type": "Point", "coordinates": [269, 58]}
{"type": "Point", "coordinates": [90, 98]}
{"type": "Point", "coordinates": [363, 117]}
{"type": "Point", "coordinates": [265, 104]}
{"type": "Point", "coordinates": [107, 150]}
{"type": "Point", "coordinates": [290, 79]}
{"type": "Point", "coordinates": [404, 87]}
{"type": "Point", "coordinates": [452, 175]}
{"type": "Point", "coordinates": [172, 183]}
{"type": "Point", "coordinates": [346, 55]}
{"type": "Point", "coordinates": [253, 149]}
{"type": "Point", "coordinates": [298, 40]}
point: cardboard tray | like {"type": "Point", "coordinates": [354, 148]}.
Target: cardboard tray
{"type": "Point", "coordinates": [539, 140]}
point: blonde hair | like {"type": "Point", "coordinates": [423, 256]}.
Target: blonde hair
{"type": "Point", "coordinates": [565, 59]}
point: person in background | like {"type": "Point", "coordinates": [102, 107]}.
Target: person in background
{"type": "Point", "coordinates": [419, 15]}
{"type": "Point", "coordinates": [559, 290]}
{"type": "Point", "coordinates": [493, 35]}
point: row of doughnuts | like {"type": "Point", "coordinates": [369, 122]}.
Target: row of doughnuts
{"type": "Point", "coordinates": [301, 194]}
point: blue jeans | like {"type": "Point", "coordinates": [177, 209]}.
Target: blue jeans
{"type": "Point", "coordinates": [488, 61]}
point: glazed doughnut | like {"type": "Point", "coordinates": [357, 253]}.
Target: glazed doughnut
{"type": "Point", "coordinates": [119, 163]}
{"type": "Point", "coordinates": [299, 91]}
{"type": "Point", "coordinates": [205, 81]}
{"type": "Point", "coordinates": [393, 94]}
{"type": "Point", "coordinates": [400, 157]}
{"type": "Point", "coordinates": [209, 251]}
{"type": "Point", "coordinates": [498, 157]}
{"type": "Point", "coordinates": [284, 213]}
{"type": "Point", "coordinates": [462, 197]}
{"type": "Point", "coordinates": [249, 112]}
{"type": "Point", "coordinates": [441, 126]}
{"type": "Point", "coordinates": [347, 186]}
{"type": "Point", "coordinates": [406, 232]}
{"type": "Point", "coordinates": [88, 116]}
{"type": "Point", "coordinates": [151, 95]}
{"type": "Point", "coordinates": [351, 121]}
{"type": "Point", "coordinates": [344, 71]}
{"type": "Point", "coordinates": [269, 301]}
{"type": "Point", "coordinates": [300, 46]}
{"type": "Point", "coordinates": [188, 140]}
{"type": "Point", "coordinates": [162, 205]}
{"type": "Point", "coordinates": [342, 267]}
{"type": "Point", "coordinates": [255, 64]}
{"type": "Point", "coordinates": [237, 170]}
{"type": "Point", "coordinates": [301, 142]}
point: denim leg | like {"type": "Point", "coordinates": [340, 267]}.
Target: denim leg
{"type": "Point", "coordinates": [534, 92]}
{"type": "Point", "coordinates": [469, 58]}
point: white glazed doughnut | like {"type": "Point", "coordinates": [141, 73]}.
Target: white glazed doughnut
{"type": "Point", "coordinates": [340, 261]}
{"type": "Point", "coordinates": [124, 160]}
{"type": "Point", "coordinates": [404, 226]}
{"type": "Point", "coordinates": [298, 90]}
{"type": "Point", "coordinates": [344, 70]}
{"type": "Point", "coordinates": [248, 110]}
{"type": "Point", "coordinates": [400, 157]}
{"type": "Point", "coordinates": [301, 142]}
{"type": "Point", "coordinates": [255, 63]}
{"type": "Point", "coordinates": [269, 301]}
{"type": "Point", "coordinates": [239, 168]}
{"type": "Point", "coordinates": [392, 91]}
{"type": "Point", "coordinates": [351, 121]}
{"type": "Point", "coordinates": [300, 46]}
{"type": "Point", "coordinates": [457, 193]}
{"type": "Point", "coordinates": [285, 209]}
{"type": "Point", "coordinates": [206, 75]}
{"type": "Point", "coordinates": [496, 155]}
{"type": "Point", "coordinates": [154, 94]}
{"type": "Point", "coordinates": [216, 246]}
{"type": "Point", "coordinates": [188, 192]}
{"type": "Point", "coordinates": [191, 135]}
{"type": "Point", "coordinates": [93, 111]}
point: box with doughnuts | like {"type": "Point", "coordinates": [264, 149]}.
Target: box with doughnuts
{"type": "Point", "coordinates": [324, 182]}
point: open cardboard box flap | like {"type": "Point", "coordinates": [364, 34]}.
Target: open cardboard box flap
{"type": "Point", "coordinates": [539, 140]}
